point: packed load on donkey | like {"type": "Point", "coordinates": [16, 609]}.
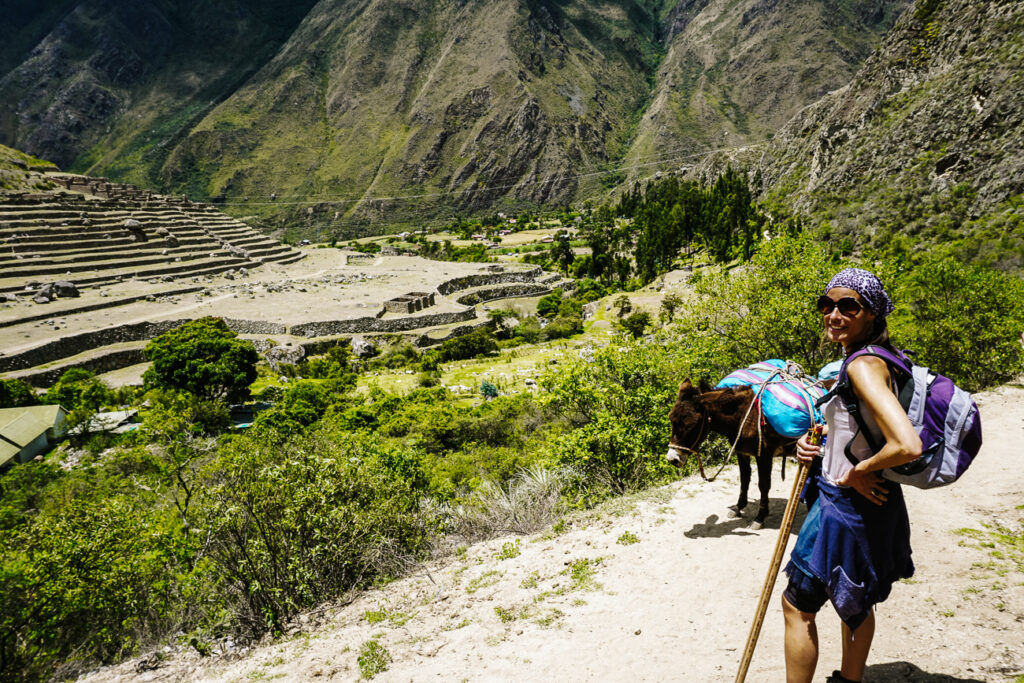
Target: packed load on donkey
{"type": "Point", "coordinates": [761, 409]}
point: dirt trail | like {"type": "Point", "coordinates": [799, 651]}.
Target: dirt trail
{"type": "Point", "coordinates": [676, 603]}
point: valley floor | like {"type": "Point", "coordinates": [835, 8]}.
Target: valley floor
{"type": "Point", "coordinates": [662, 586]}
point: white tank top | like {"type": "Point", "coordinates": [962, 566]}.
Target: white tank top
{"type": "Point", "coordinates": [841, 429]}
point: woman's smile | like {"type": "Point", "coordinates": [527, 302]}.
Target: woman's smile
{"type": "Point", "coordinates": [843, 328]}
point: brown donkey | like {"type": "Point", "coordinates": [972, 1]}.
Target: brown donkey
{"type": "Point", "coordinates": [698, 411]}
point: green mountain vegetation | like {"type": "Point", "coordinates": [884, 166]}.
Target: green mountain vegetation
{"type": "Point", "coordinates": [735, 72]}
{"type": "Point", "coordinates": [923, 147]}
{"type": "Point", "coordinates": [337, 108]}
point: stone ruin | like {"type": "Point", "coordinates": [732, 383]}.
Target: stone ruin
{"type": "Point", "coordinates": [409, 303]}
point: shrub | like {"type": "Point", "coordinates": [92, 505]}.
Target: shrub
{"type": "Point", "coordinates": [292, 525]}
{"type": "Point", "coordinates": [373, 659]}
{"type": "Point", "coordinates": [561, 327]}
{"type": "Point", "coordinates": [476, 343]}
{"type": "Point", "coordinates": [83, 586]}
{"type": "Point", "coordinates": [619, 402]}
{"type": "Point", "coordinates": [488, 389]}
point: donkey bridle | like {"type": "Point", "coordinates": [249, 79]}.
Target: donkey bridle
{"type": "Point", "coordinates": [705, 421]}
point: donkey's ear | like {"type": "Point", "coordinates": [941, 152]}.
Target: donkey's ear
{"type": "Point", "coordinates": [685, 389]}
{"type": "Point", "coordinates": [704, 386]}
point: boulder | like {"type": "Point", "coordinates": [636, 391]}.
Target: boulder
{"type": "Point", "coordinates": [362, 348]}
{"type": "Point", "coordinates": [171, 241]}
{"type": "Point", "coordinates": [65, 288]}
{"type": "Point", "coordinates": [132, 224]}
{"type": "Point", "coordinates": [47, 291]}
{"type": "Point", "coordinates": [40, 299]}
{"type": "Point", "coordinates": [284, 354]}
{"type": "Point", "coordinates": [162, 231]}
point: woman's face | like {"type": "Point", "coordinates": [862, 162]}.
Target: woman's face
{"type": "Point", "coordinates": [848, 329]}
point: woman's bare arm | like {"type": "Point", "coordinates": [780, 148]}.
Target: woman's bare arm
{"type": "Point", "coordinates": [869, 376]}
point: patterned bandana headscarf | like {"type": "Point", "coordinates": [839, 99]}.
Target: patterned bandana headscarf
{"type": "Point", "coordinates": [868, 286]}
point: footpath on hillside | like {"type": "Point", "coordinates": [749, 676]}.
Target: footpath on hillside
{"type": "Point", "coordinates": [662, 586]}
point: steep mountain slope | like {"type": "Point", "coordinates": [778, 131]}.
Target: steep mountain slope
{"type": "Point", "coordinates": [472, 100]}
{"type": "Point", "coordinates": [927, 139]}
{"type": "Point", "coordinates": [462, 105]}
{"type": "Point", "coordinates": [107, 86]}
{"type": "Point", "coordinates": [736, 72]}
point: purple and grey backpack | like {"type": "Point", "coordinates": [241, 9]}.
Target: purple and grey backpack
{"type": "Point", "coordinates": [944, 415]}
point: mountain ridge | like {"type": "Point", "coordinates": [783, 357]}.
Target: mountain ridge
{"type": "Point", "coordinates": [354, 100]}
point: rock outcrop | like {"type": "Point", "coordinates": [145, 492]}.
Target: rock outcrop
{"type": "Point", "coordinates": [927, 137]}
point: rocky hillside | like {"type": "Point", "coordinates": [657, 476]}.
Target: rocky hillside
{"type": "Point", "coordinates": [736, 72]}
{"type": "Point", "coordinates": [926, 140]}
{"type": "Point", "coordinates": [467, 105]}
{"type": "Point", "coordinates": [109, 87]}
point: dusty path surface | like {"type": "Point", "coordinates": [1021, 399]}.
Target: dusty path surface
{"type": "Point", "coordinates": [663, 586]}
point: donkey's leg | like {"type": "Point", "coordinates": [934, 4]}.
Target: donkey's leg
{"type": "Point", "coordinates": [764, 484]}
{"type": "Point", "coordinates": [735, 510]}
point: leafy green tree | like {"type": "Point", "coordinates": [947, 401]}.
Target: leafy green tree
{"type": "Point", "coordinates": [588, 290]}
{"type": "Point", "coordinates": [547, 306]}
{"type": "Point", "coordinates": [203, 357]}
{"type": "Point", "coordinates": [80, 393]}
{"type": "Point", "coordinates": [180, 434]}
{"type": "Point", "coordinates": [964, 321]}
{"type": "Point", "coordinates": [637, 323]}
{"type": "Point", "coordinates": [477, 343]}
{"type": "Point", "coordinates": [15, 393]}
{"type": "Point", "coordinates": [562, 253]}
{"type": "Point", "coordinates": [488, 389]}
{"type": "Point", "coordinates": [669, 304]}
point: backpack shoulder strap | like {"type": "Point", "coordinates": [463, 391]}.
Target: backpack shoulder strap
{"type": "Point", "coordinates": [900, 367]}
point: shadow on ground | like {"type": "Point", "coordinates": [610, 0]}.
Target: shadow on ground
{"type": "Point", "coordinates": [714, 527]}
{"type": "Point", "coordinates": [905, 672]}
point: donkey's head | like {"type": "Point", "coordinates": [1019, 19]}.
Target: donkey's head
{"type": "Point", "coordinates": [689, 418]}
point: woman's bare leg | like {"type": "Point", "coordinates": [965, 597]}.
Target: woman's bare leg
{"type": "Point", "coordinates": [856, 645]}
{"type": "Point", "coordinates": [801, 644]}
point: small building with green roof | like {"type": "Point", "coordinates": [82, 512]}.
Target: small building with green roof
{"type": "Point", "coordinates": [29, 431]}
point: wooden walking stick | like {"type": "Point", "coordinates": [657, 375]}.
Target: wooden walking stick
{"type": "Point", "coordinates": [773, 567]}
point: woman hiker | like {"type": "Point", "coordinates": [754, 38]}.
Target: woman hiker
{"type": "Point", "coordinates": [855, 540]}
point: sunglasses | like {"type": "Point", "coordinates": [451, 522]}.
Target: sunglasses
{"type": "Point", "coordinates": [847, 305]}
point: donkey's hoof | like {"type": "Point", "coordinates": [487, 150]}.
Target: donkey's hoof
{"type": "Point", "coordinates": [734, 512]}
{"type": "Point", "coordinates": [756, 524]}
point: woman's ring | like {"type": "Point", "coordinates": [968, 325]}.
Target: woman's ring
{"type": "Point", "coordinates": [875, 493]}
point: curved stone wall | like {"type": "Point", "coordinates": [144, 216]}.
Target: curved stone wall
{"type": "Point", "coordinates": [504, 292]}
{"type": "Point", "coordinates": [482, 279]}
